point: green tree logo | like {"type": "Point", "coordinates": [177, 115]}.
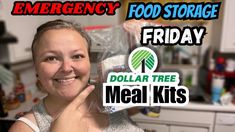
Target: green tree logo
{"type": "Point", "coordinates": [143, 60]}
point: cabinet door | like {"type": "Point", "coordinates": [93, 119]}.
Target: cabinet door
{"type": "Point", "coordinates": [228, 40]}
{"type": "Point", "coordinates": [148, 127]}
{"type": "Point", "coordinates": [225, 122]}
{"type": "Point", "coordinates": [187, 129]}
{"type": "Point", "coordinates": [24, 28]}
{"type": "Point", "coordinates": [224, 128]}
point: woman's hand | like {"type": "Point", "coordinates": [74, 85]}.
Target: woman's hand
{"type": "Point", "coordinates": [70, 120]}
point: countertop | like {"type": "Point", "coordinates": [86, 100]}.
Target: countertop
{"type": "Point", "coordinates": [24, 107]}
{"type": "Point", "coordinates": [203, 107]}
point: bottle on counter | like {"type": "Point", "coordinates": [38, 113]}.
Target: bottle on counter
{"type": "Point", "coordinates": [3, 108]}
{"type": "Point", "coordinates": [217, 87]}
{"type": "Point", "coordinates": [19, 89]}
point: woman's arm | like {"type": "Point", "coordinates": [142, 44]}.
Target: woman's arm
{"type": "Point", "coordinates": [20, 126]}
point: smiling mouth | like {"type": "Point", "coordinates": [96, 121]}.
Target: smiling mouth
{"type": "Point", "coordinates": [66, 80]}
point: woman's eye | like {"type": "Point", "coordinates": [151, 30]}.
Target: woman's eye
{"type": "Point", "coordinates": [51, 58]}
{"type": "Point", "coordinates": [77, 57]}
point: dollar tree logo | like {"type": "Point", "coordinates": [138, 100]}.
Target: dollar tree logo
{"type": "Point", "coordinates": [143, 60]}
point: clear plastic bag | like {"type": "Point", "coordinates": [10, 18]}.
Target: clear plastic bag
{"type": "Point", "coordinates": [116, 43]}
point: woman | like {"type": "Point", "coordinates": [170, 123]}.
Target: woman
{"type": "Point", "coordinates": [60, 52]}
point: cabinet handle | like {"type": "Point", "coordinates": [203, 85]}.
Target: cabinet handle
{"type": "Point", "coordinates": [28, 49]}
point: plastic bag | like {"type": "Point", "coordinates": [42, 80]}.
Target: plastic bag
{"type": "Point", "coordinates": [116, 43]}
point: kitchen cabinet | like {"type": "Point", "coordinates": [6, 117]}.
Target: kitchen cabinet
{"type": "Point", "coordinates": [19, 26]}
{"type": "Point", "coordinates": [194, 117]}
{"type": "Point", "coordinates": [225, 121]}
{"type": "Point", "coordinates": [154, 127]}
{"type": "Point", "coordinates": [24, 28]}
{"type": "Point", "coordinates": [187, 129]}
{"type": "Point", "coordinates": [177, 121]}
{"type": "Point", "coordinates": [223, 29]}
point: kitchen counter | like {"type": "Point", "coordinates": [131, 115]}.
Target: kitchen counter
{"type": "Point", "coordinates": [203, 107]}
{"type": "Point", "coordinates": [24, 107]}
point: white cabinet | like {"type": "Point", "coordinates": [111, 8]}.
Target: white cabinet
{"type": "Point", "coordinates": [224, 29]}
{"type": "Point", "coordinates": [24, 28]}
{"type": "Point", "coordinates": [187, 129]}
{"type": "Point", "coordinates": [18, 26]}
{"type": "Point", "coordinates": [154, 127]}
{"type": "Point", "coordinates": [187, 120]}
{"type": "Point", "coordinates": [177, 121]}
{"type": "Point", "coordinates": [225, 121]}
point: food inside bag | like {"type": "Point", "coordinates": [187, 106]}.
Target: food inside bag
{"type": "Point", "coordinates": [115, 44]}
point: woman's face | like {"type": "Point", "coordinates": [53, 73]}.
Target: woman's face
{"type": "Point", "coordinates": [62, 63]}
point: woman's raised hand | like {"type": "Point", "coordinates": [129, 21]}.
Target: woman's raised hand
{"type": "Point", "coordinates": [70, 120]}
